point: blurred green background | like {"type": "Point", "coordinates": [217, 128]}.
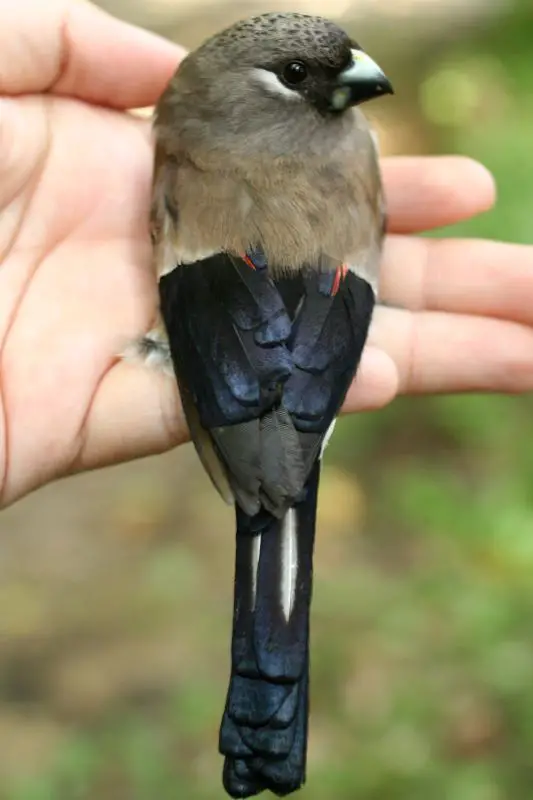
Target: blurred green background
{"type": "Point", "coordinates": [115, 588]}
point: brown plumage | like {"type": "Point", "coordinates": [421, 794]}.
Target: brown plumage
{"type": "Point", "coordinates": [254, 168]}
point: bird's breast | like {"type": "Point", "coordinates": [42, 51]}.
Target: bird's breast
{"type": "Point", "coordinates": [295, 215]}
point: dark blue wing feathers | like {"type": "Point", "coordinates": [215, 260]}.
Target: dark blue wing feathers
{"type": "Point", "coordinates": [267, 365]}
{"type": "Point", "coordinates": [239, 352]}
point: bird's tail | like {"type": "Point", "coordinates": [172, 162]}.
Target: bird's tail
{"type": "Point", "coordinates": [264, 729]}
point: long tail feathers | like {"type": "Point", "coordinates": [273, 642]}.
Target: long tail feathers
{"type": "Point", "coordinates": [264, 729]}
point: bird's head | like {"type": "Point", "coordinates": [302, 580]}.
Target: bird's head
{"type": "Point", "coordinates": [273, 71]}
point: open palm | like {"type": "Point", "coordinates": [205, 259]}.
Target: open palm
{"type": "Point", "coordinates": [75, 277]}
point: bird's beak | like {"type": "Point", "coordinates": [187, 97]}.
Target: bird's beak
{"type": "Point", "coordinates": [362, 80]}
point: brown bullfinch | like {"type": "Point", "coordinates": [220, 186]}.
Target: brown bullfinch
{"type": "Point", "coordinates": [267, 221]}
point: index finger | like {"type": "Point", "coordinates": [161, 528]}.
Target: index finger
{"type": "Point", "coordinates": [73, 48]}
{"type": "Point", "coordinates": [431, 192]}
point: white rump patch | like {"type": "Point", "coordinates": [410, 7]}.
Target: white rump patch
{"type": "Point", "coordinates": [367, 273]}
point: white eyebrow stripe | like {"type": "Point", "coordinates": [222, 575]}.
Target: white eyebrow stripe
{"type": "Point", "coordinates": [271, 82]}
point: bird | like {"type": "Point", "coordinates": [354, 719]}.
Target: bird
{"type": "Point", "coordinates": [267, 222]}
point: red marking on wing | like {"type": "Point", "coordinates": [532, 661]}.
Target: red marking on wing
{"type": "Point", "coordinates": [340, 274]}
{"type": "Point", "coordinates": [248, 261]}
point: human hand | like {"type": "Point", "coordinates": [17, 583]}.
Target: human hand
{"type": "Point", "coordinates": [75, 276]}
{"type": "Point", "coordinates": [456, 316]}
{"type": "Point", "coordinates": [75, 174]}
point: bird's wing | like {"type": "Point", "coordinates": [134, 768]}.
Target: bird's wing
{"type": "Point", "coordinates": [227, 328]}
{"type": "Point", "coordinates": [329, 332]}
{"type": "Point", "coordinates": [263, 368]}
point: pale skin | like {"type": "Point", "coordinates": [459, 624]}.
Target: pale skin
{"type": "Point", "coordinates": [76, 282]}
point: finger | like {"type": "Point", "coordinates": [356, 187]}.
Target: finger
{"type": "Point", "coordinates": [425, 193]}
{"type": "Point", "coordinates": [73, 48]}
{"type": "Point", "coordinates": [376, 383]}
{"type": "Point", "coordinates": [137, 411]}
{"type": "Point", "coordinates": [441, 353]}
{"type": "Point", "coordinates": [464, 276]}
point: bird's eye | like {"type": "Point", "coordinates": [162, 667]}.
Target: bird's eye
{"type": "Point", "coordinates": [295, 73]}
